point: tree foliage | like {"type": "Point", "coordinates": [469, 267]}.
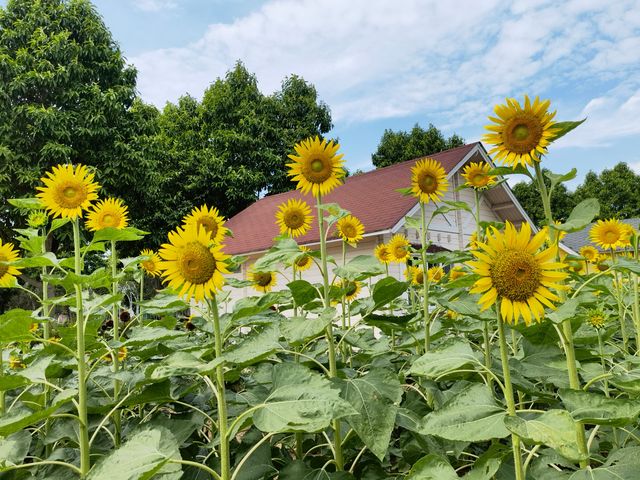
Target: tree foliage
{"type": "Point", "coordinates": [396, 147]}
{"type": "Point", "coordinates": [562, 200]}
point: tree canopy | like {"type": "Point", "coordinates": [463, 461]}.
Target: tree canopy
{"type": "Point", "coordinates": [396, 147]}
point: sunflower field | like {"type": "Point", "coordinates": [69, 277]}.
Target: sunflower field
{"type": "Point", "coordinates": [512, 359]}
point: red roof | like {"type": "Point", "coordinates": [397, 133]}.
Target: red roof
{"type": "Point", "coordinates": [371, 197]}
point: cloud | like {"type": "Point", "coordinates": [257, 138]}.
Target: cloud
{"type": "Point", "coordinates": [374, 59]}
{"type": "Point", "coordinates": [155, 5]}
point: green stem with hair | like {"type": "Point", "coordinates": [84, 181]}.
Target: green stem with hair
{"type": "Point", "coordinates": [225, 459]}
{"type": "Point", "coordinates": [619, 298]}
{"type": "Point", "coordinates": [508, 393]}
{"type": "Point", "coordinates": [333, 369]}
{"type": "Point", "coordinates": [141, 298]}
{"type": "Point", "coordinates": [425, 277]}
{"type": "Point", "coordinates": [567, 331]}
{"type": "Point", "coordinates": [486, 334]}
{"type": "Point", "coordinates": [83, 424]}
{"type": "Point", "coordinates": [117, 418]}
{"type": "Point", "coordinates": [46, 333]}
{"type": "Point", "coordinates": [602, 362]}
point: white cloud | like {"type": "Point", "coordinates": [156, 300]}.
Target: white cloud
{"type": "Point", "coordinates": [155, 5]}
{"type": "Point", "coordinates": [374, 59]}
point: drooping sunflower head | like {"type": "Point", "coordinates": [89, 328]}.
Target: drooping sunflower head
{"type": "Point", "coordinates": [520, 134]}
{"type": "Point", "coordinates": [350, 229]}
{"type": "Point", "coordinates": [600, 264]}
{"type": "Point", "coordinates": [151, 265]}
{"type": "Point", "coordinates": [37, 219]}
{"type": "Point", "coordinates": [8, 273]}
{"type": "Point", "coordinates": [456, 273]}
{"type": "Point", "coordinates": [589, 253]}
{"type": "Point", "coordinates": [191, 264]}
{"type": "Point", "coordinates": [607, 233]}
{"type": "Point", "coordinates": [382, 253]}
{"type": "Point", "coordinates": [513, 269]}
{"type": "Point", "coordinates": [428, 180]}
{"type": "Point", "coordinates": [435, 274]}
{"type": "Point", "coordinates": [351, 289]}
{"type": "Point", "coordinates": [294, 217]}
{"type": "Point", "coordinates": [210, 220]}
{"type": "Point", "coordinates": [109, 213]}
{"type": "Point", "coordinates": [399, 248]}
{"type": "Point", "coordinates": [262, 281]}
{"type": "Point", "coordinates": [417, 275]}
{"type": "Point", "coordinates": [303, 261]}
{"type": "Point", "coordinates": [477, 175]}
{"type": "Point", "coordinates": [628, 233]}
{"type": "Point", "coordinates": [68, 190]}
{"type": "Point", "coordinates": [317, 167]}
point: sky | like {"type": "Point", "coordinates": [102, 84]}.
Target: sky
{"type": "Point", "coordinates": [380, 64]}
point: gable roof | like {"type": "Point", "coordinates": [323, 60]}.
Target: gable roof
{"type": "Point", "coordinates": [576, 240]}
{"type": "Point", "coordinates": [372, 197]}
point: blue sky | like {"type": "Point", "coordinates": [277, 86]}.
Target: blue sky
{"type": "Point", "coordinates": [381, 64]}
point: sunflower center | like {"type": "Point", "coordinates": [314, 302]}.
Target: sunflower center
{"type": "Point", "coordinates": [420, 277]}
{"type": "Point", "coordinates": [262, 279]}
{"type": "Point", "coordinates": [3, 268]}
{"type": "Point", "coordinates": [611, 236]}
{"type": "Point", "coordinates": [428, 183]}
{"type": "Point", "coordinates": [349, 230]}
{"type": "Point", "coordinates": [294, 219]}
{"type": "Point", "coordinates": [480, 179]}
{"type": "Point", "coordinates": [317, 170]}
{"type": "Point", "coordinates": [522, 133]}
{"type": "Point", "coordinates": [71, 194]}
{"type": "Point", "coordinates": [210, 226]}
{"type": "Point", "coordinates": [149, 266]}
{"type": "Point", "coordinates": [108, 220]}
{"type": "Point", "coordinates": [516, 275]}
{"type": "Point", "coordinates": [350, 288]}
{"type": "Point", "coordinates": [196, 263]}
{"type": "Point", "coordinates": [302, 261]}
{"type": "Point", "coordinates": [400, 251]}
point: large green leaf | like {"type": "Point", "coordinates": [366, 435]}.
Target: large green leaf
{"type": "Point", "coordinates": [14, 326]}
{"type": "Point", "coordinates": [180, 364]}
{"type": "Point", "coordinates": [303, 292]}
{"type": "Point", "coordinates": [472, 415]}
{"type": "Point", "coordinates": [21, 417]}
{"type": "Point", "coordinates": [554, 428]}
{"type": "Point", "coordinates": [145, 455]}
{"type": "Point", "coordinates": [146, 335]}
{"type": "Point", "coordinates": [297, 330]}
{"type": "Point", "coordinates": [562, 128]}
{"type": "Point", "coordinates": [387, 290]}
{"type": "Point", "coordinates": [432, 467]}
{"type": "Point", "coordinates": [594, 408]}
{"type": "Point", "coordinates": [300, 401]}
{"type": "Point", "coordinates": [451, 355]}
{"type": "Point", "coordinates": [284, 251]}
{"type": "Point", "coordinates": [259, 344]}
{"type": "Point", "coordinates": [360, 268]}
{"type": "Point", "coordinates": [623, 464]}
{"type": "Point", "coordinates": [375, 396]}
{"type": "Point", "coordinates": [129, 234]}
{"type": "Point", "coordinates": [14, 448]}
{"type": "Point", "coordinates": [581, 216]}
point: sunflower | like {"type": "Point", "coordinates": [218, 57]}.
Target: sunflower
{"type": "Point", "coordinates": [521, 134]}
{"type": "Point", "coordinates": [68, 190]}
{"type": "Point", "coordinates": [8, 273]}
{"type": "Point", "coordinates": [210, 220]}
{"type": "Point", "coordinates": [122, 355]}
{"type": "Point", "coordinates": [15, 363]}
{"type": "Point", "coordinates": [317, 167]}
{"type": "Point", "coordinates": [417, 275]}
{"type": "Point", "coordinates": [435, 274]}
{"type": "Point", "coordinates": [589, 253]}
{"type": "Point", "coordinates": [473, 241]}
{"type": "Point", "coordinates": [559, 233]}
{"type": "Point", "coordinates": [599, 262]}
{"type": "Point", "coordinates": [151, 266]}
{"type": "Point", "coordinates": [477, 175]}
{"type": "Point", "coordinates": [608, 233]}
{"type": "Point", "coordinates": [37, 219]}
{"type": "Point", "coordinates": [597, 318]}
{"type": "Point", "coordinates": [628, 232]}
{"type": "Point", "coordinates": [294, 217]}
{"type": "Point", "coordinates": [351, 289]}
{"type": "Point", "coordinates": [382, 253]}
{"type": "Point", "coordinates": [109, 213]}
{"type": "Point", "coordinates": [262, 281]}
{"type": "Point", "coordinates": [512, 270]}
{"type": "Point", "coordinates": [399, 248]}
{"type": "Point", "coordinates": [350, 229]}
{"type": "Point", "coordinates": [191, 264]}
{"type": "Point", "coordinates": [428, 180]}
{"type": "Point", "coordinates": [456, 273]}
{"type": "Point", "coordinates": [303, 261]}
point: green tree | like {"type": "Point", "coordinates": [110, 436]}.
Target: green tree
{"type": "Point", "coordinates": [616, 189]}
{"type": "Point", "coordinates": [396, 147]}
{"type": "Point", "coordinates": [67, 95]}
{"type": "Point", "coordinates": [562, 200]}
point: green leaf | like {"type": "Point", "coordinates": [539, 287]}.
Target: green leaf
{"type": "Point", "coordinates": [432, 467]}
{"type": "Point", "coordinates": [622, 464]}
{"type": "Point", "coordinates": [303, 292]}
{"type": "Point", "coordinates": [26, 203]}
{"type": "Point", "coordinates": [256, 346]}
{"type": "Point", "coordinates": [554, 428]}
{"type": "Point", "coordinates": [387, 290]}
{"type": "Point", "coordinates": [562, 128]}
{"type": "Point", "coordinates": [360, 268]}
{"type": "Point", "coordinates": [375, 395]}
{"type": "Point", "coordinates": [145, 455]}
{"type": "Point", "coordinates": [472, 415]}
{"type": "Point", "coordinates": [406, 191]}
{"type": "Point", "coordinates": [14, 448]}
{"type": "Point", "coordinates": [19, 418]}
{"type": "Point", "coordinates": [297, 330]}
{"type": "Point", "coordinates": [626, 265]}
{"type": "Point", "coordinates": [58, 223]}
{"type": "Point", "coordinates": [566, 310]}
{"type": "Point", "coordinates": [596, 409]}
{"type": "Point", "coordinates": [182, 363]}
{"type": "Point", "coordinates": [466, 306]}
{"type": "Point", "coordinates": [451, 355]}
{"type": "Point", "coordinates": [14, 326]}
{"type": "Point", "coordinates": [581, 216]}
{"type": "Point", "coordinates": [146, 335]}
{"type": "Point", "coordinates": [128, 234]}
{"type": "Point", "coordinates": [249, 306]}
{"type": "Point", "coordinates": [557, 178]}
{"type": "Point", "coordinates": [285, 251]}
{"type": "Point", "coordinates": [300, 401]}
{"type": "Point", "coordinates": [47, 259]}
{"type": "Point", "coordinates": [488, 464]}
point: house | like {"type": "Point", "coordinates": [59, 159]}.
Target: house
{"type": "Point", "coordinates": [373, 198]}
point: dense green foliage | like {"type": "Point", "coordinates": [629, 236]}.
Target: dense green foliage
{"type": "Point", "coordinates": [396, 147]}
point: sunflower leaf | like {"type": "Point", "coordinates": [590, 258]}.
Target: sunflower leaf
{"type": "Point", "coordinates": [581, 216]}
{"type": "Point", "coordinates": [562, 128]}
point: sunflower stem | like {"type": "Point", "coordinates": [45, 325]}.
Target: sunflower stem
{"type": "Point", "coordinates": [567, 329]}
{"type": "Point", "coordinates": [3, 406]}
{"type": "Point", "coordinates": [117, 419]}
{"type": "Point", "coordinates": [225, 462]}
{"type": "Point", "coordinates": [602, 362]}
{"type": "Point", "coordinates": [621, 315]}
{"type": "Point", "coordinates": [83, 425]}
{"type": "Point", "coordinates": [508, 393]}
{"type": "Point", "coordinates": [425, 277]}
{"type": "Point", "coordinates": [46, 334]}
{"type": "Point", "coordinates": [333, 369]}
{"type": "Point", "coordinates": [141, 298]}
